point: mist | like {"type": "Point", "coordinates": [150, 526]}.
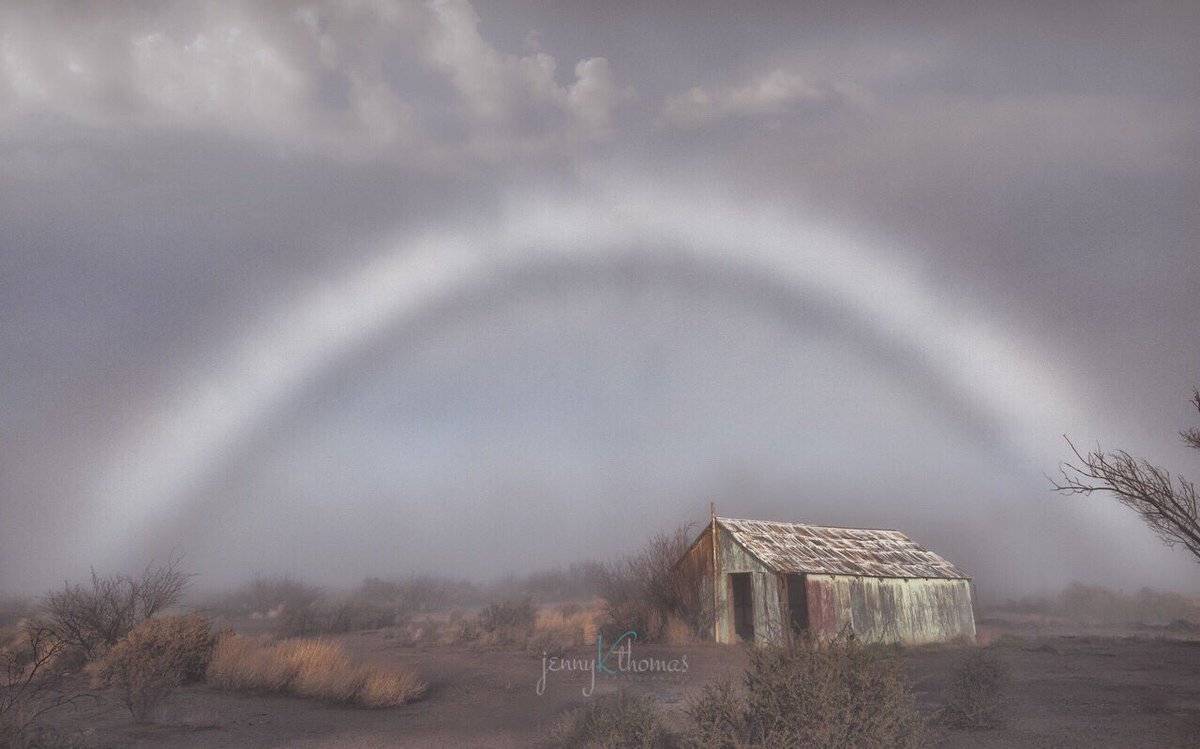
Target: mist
{"type": "Point", "coordinates": [484, 290]}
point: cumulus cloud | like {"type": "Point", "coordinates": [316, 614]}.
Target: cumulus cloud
{"type": "Point", "coordinates": [392, 77]}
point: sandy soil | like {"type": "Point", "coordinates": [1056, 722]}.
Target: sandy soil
{"type": "Point", "coordinates": [1070, 691]}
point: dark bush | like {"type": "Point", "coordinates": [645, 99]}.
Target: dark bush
{"type": "Point", "coordinates": [154, 659]}
{"type": "Point", "coordinates": [512, 614]}
{"type": "Point", "coordinates": [619, 720]}
{"type": "Point", "coordinates": [644, 591]}
{"type": "Point", "coordinates": [833, 694]}
{"type": "Point", "coordinates": [976, 696]}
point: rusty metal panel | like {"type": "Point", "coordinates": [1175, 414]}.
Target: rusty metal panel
{"type": "Point", "coordinates": [822, 613]}
{"type": "Point", "coordinates": [931, 607]}
{"type": "Point", "coordinates": [909, 611]}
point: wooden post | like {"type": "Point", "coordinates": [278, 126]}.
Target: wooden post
{"type": "Point", "coordinates": [712, 537]}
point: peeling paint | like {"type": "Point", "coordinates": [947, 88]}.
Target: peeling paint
{"type": "Point", "coordinates": [879, 584]}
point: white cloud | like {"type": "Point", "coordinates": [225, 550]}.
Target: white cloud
{"type": "Point", "coordinates": [353, 79]}
{"type": "Point", "coordinates": [772, 93]}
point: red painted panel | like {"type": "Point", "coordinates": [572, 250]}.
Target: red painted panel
{"type": "Point", "coordinates": [822, 617]}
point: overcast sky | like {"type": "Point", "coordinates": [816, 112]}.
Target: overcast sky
{"type": "Point", "coordinates": [377, 287]}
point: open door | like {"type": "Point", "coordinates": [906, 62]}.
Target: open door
{"type": "Point", "coordinates": [797, 594]}
{"type": "Point", "coordinates": [743, 605]}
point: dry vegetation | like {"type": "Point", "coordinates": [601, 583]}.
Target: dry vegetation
{"type": "Point", "coordinates": [977, 694]}
{"type": "Point", "coordinates": [93, 618]}
{"type": "Point", "coordinates": [309, 668]}
{"type": "Point", "coordinates": [153, 659]}
{"type": "Point", "coordinates": [31, 686]}
{"type": "Point", "coordinates": [833, 694]}
{"type": "Point", "coordinates": [1095, 605]}
{"type": "Point", "coordinates": [648, 594]}
{"type": "Point", "coordinates": [618, 720]}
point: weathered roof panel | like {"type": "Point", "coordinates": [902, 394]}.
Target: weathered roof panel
{"type": "Point", "coordinates": [812, 549]}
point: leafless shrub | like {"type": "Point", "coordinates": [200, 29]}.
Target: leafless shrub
{"type": "Point", "coordinates": [94, 617]}
{"type": "Point", "coordinates": [31, 685]}
{"type": "Point", "coordinates": [335, 616]}
{"type": "Point", "coordinates": [267, 597]}
{"type": "Point", "coordinates": [823, 694]}
{"type": "Point", "coordinates": [15, 609]}
{"type": "Point", "coordinates": [718, 718]}
{"type": "Point", "coordinates": [153, 659]}
{"type": "Point", "coordinates": [976, 697]}
{"type": "Point", "coordinates": [310, 668]}
{"type": "Point", "coordinates": [643, 591]}
{"type": "Point", "coordinates": [516, 613]}
{"type": "Point", "coordinates": [619, 720]}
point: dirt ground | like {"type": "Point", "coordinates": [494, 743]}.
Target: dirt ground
{"type": "Point", "coordinates": [1069, 691]}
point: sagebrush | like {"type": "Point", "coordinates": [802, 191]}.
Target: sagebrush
{"type": "Point", "coordinates": [838, 693]}
{"type": "Point", "coordinates": [153, 659]}
{"type": "Point", "coordinates": [977, 694]}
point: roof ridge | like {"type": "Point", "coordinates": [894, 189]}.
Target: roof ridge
{"type": "Point", "coordinates": [813, 525]}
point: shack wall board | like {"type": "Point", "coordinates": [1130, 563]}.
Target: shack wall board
{"type": "Point", "coordinates": [769, 614]}
{"type": "Point", "coordinates": [912, 611]}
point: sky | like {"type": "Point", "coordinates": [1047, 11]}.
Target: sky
{"type": "Point", "coordinates": [377, 287]}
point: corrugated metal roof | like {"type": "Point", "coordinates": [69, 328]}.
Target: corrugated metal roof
{"type": "Point", "coordinates": [819, 550]}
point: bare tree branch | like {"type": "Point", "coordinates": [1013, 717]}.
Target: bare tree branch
{"type": "Point", "coordinates": [1169, 506]}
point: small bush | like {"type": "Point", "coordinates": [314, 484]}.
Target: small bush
{"type": "Point", "coordinates": [832, 694]}
{"type": "Point", "coordinates": [309, 668]}
{"type": "Point", "coordinates": [718, 718]}
{"type": "Point", "coordinates": [976, 694]}
{"type": "Point", "coordinates": [517, 613]}
{"type": "Point", "coordinates": [646, 591]}
{"type": "Point", "coordinates": [31, 685]}
{"type": "Point", "coordinates": [93, 618]}
{"type": "Point", "coordinates": [327, 617]}
{"type": "Point", "coordinates": [620, 720]}
{"type": "Point", "coordinates": [154, 659]}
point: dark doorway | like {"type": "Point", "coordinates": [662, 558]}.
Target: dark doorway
{"type": "Point", "coordinates": [743, 605]}
{"type": "Point", "coordinates": [797, 593]}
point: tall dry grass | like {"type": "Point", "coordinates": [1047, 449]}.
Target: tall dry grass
{"type": "Point", "coordinates": [320, 669]}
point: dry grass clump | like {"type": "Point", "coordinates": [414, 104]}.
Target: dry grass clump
{"type": "Point", "coordinates": [154, 659]}
{"type": "Point", "coordinates": [837, 693]}
{"type": "Point", "coordinates": [617, 720]}
{"type": "Point", "coordinates": [976, 696]}
{"type": "Point", "coordinates": [310, 668]}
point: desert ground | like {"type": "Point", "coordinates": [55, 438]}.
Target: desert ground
{"type": "Point", "coordinates": [1084, 688]}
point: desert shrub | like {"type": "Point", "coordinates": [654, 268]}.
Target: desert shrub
{"type": "Point", "coordinates": [15, 609]}
{"type": "Point", "coordinates": [838, 693]}
{"type": "Point", "coordinates": [643, 592]}
{"type": "Point", "coordinates": [1098, 605]}
{"type": "Point", "coordinates": [266, 597]}
{"type": "Point", "coordinates": [31, 686]}
{"type": "Point", "coordinates": [335, 616]}
{"type": "Point", "coordinates": [94, 617]}
{"type": "Point", "coordinates": [976, 696]}
{"type": "Point", "coordinates": [155, 658]}
{"type": "Point", "coordinates": [718, 718]}
{"type": "Point", "coordinates": [309, 668]}
{"type": "Point", "coordinates": [579, 581]}
{"type": "Point", "coordinates": [618, 720]}
{"type": "Point", "coordinates": [512, 614]}
{"type": "Point", "coordinates": [420, 594]}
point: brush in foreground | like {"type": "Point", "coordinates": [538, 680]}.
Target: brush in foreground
{"type": "Point", "coordinates": [309, 668]}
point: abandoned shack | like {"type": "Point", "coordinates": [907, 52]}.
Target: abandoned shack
{"type": "Point", "coordinates": [775, 579]}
